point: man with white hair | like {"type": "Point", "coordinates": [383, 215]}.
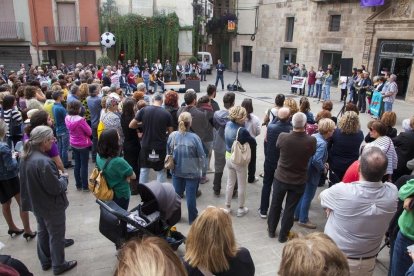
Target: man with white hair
{"type": "Point", "coordinates": [389, 92]}
{"type": "Point", "coordinates": [296, 148]}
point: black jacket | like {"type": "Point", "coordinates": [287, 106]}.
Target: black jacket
{"type": "Point", "coordinates": [273, 131]}
{"type": "Point", "coordinates": [404, 146]}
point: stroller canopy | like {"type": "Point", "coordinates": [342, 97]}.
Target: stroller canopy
{"type": "Point", "coordinates": [169, 203]}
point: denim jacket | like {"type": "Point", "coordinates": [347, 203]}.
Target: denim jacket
{"type": "Point", "coordinates": [321, 155]}
{"type": "Point", "coordinates": [230, 133]}
{"type": "Point", "coordinates": [9, 167]}
{"type": "Point", "coordinates": [188, 154]}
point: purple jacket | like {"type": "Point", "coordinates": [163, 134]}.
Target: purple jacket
{"type": "Point", "coordinates": [79, 131]}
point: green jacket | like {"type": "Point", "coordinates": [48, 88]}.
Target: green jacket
{"type": "Point", "coordinates": [406, 220]}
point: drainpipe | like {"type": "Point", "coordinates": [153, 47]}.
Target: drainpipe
{"type": "Point", "coordinates": [36, 32]}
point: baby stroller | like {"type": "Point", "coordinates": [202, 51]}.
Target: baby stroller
{"type": "Point", "coordinates": [159, 210]}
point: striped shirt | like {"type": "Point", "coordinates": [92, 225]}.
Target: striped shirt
{"type": "Point", "coordinates": [387, 146]}
{"type": "Point", "coordinates": [389, 91]}
{"type": "Point", "coordinates": [14, 114]}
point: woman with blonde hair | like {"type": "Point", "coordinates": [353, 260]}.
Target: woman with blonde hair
{"type": "Point", "coordinates": [389, 118]}
{"type": "Point", "coordinates": [235, 130]}
{"type": "Point", "coordinates": [316, 254]}
{"type": "Point", "coordinates": [211, 247]}
{"type": "Point", "coordinates": [292, 105]}
{"type": "Point", "coordinates": [189, 157]}
{"type": "Point", "coordinates": [150, 256]}
{"type": "Point", "coordinates": [344, 145]}
{"type": "Point", "coordinates": [316, 167]}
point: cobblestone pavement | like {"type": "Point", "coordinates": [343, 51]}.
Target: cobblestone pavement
{"type": "Point", "coordinates": [97, 256]}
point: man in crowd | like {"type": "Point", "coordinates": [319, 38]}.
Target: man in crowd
{"type": "Point", "coordinates": [200, 125]}
{"type": "Point", "coordinates": [156, 122]}
{"type": "Point", "coordinates": [389, 92]}
{"type": "Point", "coordinates": [296, 148]}
{"type": "Point", "coordinates": [211, 92]}
{"type": "Point", "coordinates": [220, 120]}
{"type": "Point", "coordinates": [282, 125]}
{"type": "Point", "coordinates": [204, 67]}
{"type": "Point", "coordinates": [362, 94]}
{"type": "Point", "coordinates": [359, 212]}
{"type": "Point", "coordinates": [94, 105]}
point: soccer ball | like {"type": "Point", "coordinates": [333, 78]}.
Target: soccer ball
{"type": "Point", "coordinates": [108, 39]}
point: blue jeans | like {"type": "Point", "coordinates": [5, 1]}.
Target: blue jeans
{"type": "Point", "coordinates": [81, 157]}
{"type": "Point", "coordinates": [190, 186]}
{"type": "Point", "coordinates": [401, 261]}
{"type": "Point", "coordinates": [144, 176]}
{"type": "Point", "coordinates": [326, 92]}
{"type": "Point", "coordinates": [63, 146]}
{"type": "Point", "coordinates": [318, 90]}
{"type": "Point", "coordinates": [311, 88]}
{"type": "Point", "coordinates": [147, 84]}
{"type": "Point", "coordinates": [302, 209]}
{"type": "Point", "coordinates": [387, 106]}
{"type": "Point", "coordinates": [203, 74]}
{"type": "Point", "coordinates": [220, 77]}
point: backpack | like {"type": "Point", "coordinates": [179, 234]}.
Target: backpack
{"type": "Point", "coordinates": [240, 154]}
{"type": "Point", "coordinates": [98, 185]}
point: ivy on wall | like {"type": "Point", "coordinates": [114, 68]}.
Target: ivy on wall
{"type": "Point", "coordinates": [146, 37]}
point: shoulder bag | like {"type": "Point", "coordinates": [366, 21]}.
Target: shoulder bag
{"type": "Point", "coordinates": [240, 154]}
{"type": "Point", "coordinates": [169, 160]}
{"type": "Point", "coordinates": [98, 185]}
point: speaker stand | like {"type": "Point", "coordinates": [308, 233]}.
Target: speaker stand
{"type": "Point", "coordinates": [237, 83]}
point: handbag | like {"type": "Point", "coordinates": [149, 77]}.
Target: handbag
{"type": "Point", "coordinates": [98, 185]}
{"type": "Point", "coordinates": [240, 154]}
{"type": "Point", "coordinates": [169, 160]}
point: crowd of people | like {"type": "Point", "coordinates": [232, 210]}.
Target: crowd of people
{"type": "Point", "coordinates": [83, 113]}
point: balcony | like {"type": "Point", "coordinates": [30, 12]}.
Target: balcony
{"type": "Point", "coordinates": [66, 35]}
{"type": "Point", "coordinates": [11, 31]}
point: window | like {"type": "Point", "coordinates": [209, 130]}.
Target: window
{"type": "Point", "coordinates": [290, 24]}
{"type": "Point", "coordinates": [335, 23]}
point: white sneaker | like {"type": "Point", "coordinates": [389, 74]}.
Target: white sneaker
{"type": "Point", "coordinates": [261, 215]}
{"type": "Point", "coordinates": [242, 211]}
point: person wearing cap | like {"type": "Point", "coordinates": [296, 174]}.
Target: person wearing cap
{"type": "Point", "coordinates": [156, 122]}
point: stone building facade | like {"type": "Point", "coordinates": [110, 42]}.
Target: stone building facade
{"type": "Point", "coordinates": [321, 32]}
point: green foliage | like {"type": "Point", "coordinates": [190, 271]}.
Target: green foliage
{"type": "Point", "coordinates": [146, 37]}
{"type": "Point", "coordinates": [192, 60]}
{"type": "Point", "coordinates": [104, 61]}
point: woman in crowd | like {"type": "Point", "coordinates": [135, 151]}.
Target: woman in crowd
{"type": "Point", "coordinates": [171, 105]}
{"type": "Point", "coordinates": [10, 187]}
{"type": "Point", "coordinates": [378, 131]}
{"type": "Point", "coordinates": [43, 191]}
{"type": "Point", "coordinates": [316, 167]}
{"type": "Point", "coordinates": [404, 146]}
{"type": "Point", "coordinates": [327, 85]}
{"type": "Point", "coordinates": [111, 118]}
{"type": "Point", "coordinates": [131, 146]}
{"type": "Point", "coordinates": [344, 145]}
{"type": "Point", "coordinates": [253, 126]}
{"type": "Point", "coordinates": [189, 157]}
{"type": "Point", "coordinates": [31, 95]}
{"type": "Point", "coordinates": [42, 118]}
{"type": "Point", "coordinates": [292, 105]}
{"type": "Point", "coordinates": [84, 93]}
{"type": "Point", "coordinates": [79, 137]}
{"type": "Point", "coordinates": [319, 82]}
{"type": "Point", "coordinates": [13, 119]}
{"type": "Point", "coordinates": [149, 256]}
{"type": "Point", "coordinates": [304, 107]}
{"type": "Point", "coordinates": [315, 254]}
{"type": "Point", "coordinates": [117, 171]}
{"type": "Point", "coordinates": [328, 105]}
{"type": "Point", "coordinates": [235, 130]}
{"type": "Point", "coordinates": [212, 232]}
{"type": "Point", "coordinates": [389, 119]}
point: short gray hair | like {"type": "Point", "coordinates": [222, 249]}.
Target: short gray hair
{"type": "Point", "coordinates": [393, 77]}
{"type": "Point", "coordinates": [141, 86]}
{"type": "Point", "coordinates": [299, 120]}
{"type": "Point", "coordinates": [157, 97]}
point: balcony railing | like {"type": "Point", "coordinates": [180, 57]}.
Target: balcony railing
{"type": "Point", "coordinates": [11, 31]}
{"type": "Point", "coordinates": [66, 35]}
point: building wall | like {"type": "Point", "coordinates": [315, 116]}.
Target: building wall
{"type": "Point", "coordinates": [21, 14]}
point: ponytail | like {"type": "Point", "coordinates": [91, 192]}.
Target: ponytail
{"type": "Point", "coordinates": [182, 127]}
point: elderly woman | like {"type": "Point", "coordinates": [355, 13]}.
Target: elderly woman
{"type": "Point", "coordinates": [404, 146]}
{"type": "Point", "coordinates": [212, 232]}
{"type": "Point", "coordinates": [10, 187]}
{"type": "Point", "coordinates": [235, 130]}
{"type": "Point", "coordinates": [378, 131]}
{"type": "Point", "coordinates": [344, 145]}
{"type": "Point", "coordinates": [111, 118]}
{"type": "Point", "coordinates": [80, 141]}
{"type": "Point", "coordinates": [189, 157]}
{"type": "Point", "coordinates": [316, 166]}
{"type": "Point", "coordinates": [43, 191]}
